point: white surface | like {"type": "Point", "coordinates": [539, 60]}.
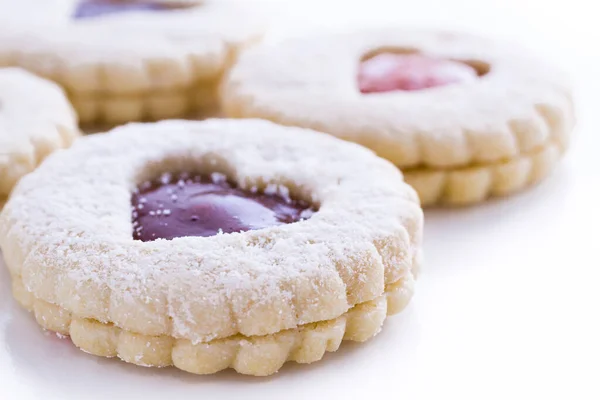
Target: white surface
{"type": "Point", "coordinates": [507, 306]}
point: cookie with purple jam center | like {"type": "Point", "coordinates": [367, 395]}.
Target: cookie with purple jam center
{"type": "Point", "coordinates": [285, 241]}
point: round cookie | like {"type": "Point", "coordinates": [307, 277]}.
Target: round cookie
{"type": "Point", "coordinates": [464, 117]}
{"type": "Point", "coordinates": [35, 120]}
{"type": "Point", "coordinates": [216, 244]}
{"type": "Point", "coordinates": [123, 61]}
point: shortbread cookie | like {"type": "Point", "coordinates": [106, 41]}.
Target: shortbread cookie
{"type": "Point", "coordinates": [216, 244]}
{"type": "Point", "coordinates": [123, 61]}
{"type": "Point", "coordinates": [465, 118]}
{"type": "Point", "coordinates": [35, 120]}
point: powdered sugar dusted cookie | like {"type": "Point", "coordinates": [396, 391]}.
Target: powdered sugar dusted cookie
{"type": "Point", "coordinates": [216, 244]}
{"type": "Point", "coordinates": [35, 120]}
{"type": "Point", "coordinates": [124, 61]}
{"type": "Point", "coordinates": [463, 117]}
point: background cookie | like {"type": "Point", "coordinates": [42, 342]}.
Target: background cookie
{"type": "Point", "coordinates": [127, 61]}
{"type": "Point", "coordinates": [35, 120]}
{"type": "Point", "coordinates": [473, 118]}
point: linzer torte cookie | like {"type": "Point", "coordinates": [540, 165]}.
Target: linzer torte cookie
{"type": "Point", "coordinates": [464, 117]}
{"type": "Point", "coordinates": [123, 61]}
{"type": "Point", "coordinates": [216, 244]}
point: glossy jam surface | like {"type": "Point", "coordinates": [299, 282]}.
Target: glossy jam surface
{"type": "Point", "coordinates": [387, 72]}
{"type": "Point", "coordinates": [97, 8]}
{"type": "Point", "coordinates": [191, 205]}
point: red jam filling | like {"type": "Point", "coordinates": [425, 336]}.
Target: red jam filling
{"type": "Point", "coordinates": [193, 205]}
{"type": "Point", "coordinates": [387, 72]}
{"type": "Point", "coordinates": [97, 8]}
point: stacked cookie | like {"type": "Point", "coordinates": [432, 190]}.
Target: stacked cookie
{"type": "Point", "coordinates": [266, 284]}
{"type": "Point", "coordinates": [463, 117]}
{"type": "Point", "coordinates": [123, 61]}
{"type": "Point", "coordinates": [246, 243]}
{"type": "Point", "coordinates": [31, 126]}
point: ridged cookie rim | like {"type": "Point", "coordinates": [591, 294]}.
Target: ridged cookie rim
{"type": "Point", "coordinates": [257, 355]}
{"type": "Point", "coordinates": [198, 102]}
{"type": "Point", "coordinates": [473, 184]}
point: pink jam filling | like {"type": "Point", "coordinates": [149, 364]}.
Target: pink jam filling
{"type": "Point", "coordinates": [389, 71]}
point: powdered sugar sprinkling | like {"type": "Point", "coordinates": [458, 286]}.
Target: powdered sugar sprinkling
{"type": "Point", "coordinates": [306, 214]}
{"type": "Point", "coordinates": [217, 177]}
{"type": "Point", "coordinates": [166, 178]}
{"type": "Point", "coordinates": [271, 189]}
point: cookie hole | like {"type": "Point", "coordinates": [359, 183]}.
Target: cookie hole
{"type": "Point", "coordinates": [168, 205]}
{"type": "Point", "coordinates": [98, 8]}
{"type": "Point", "coordinates": [406, 69]}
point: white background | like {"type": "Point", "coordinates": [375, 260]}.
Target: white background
{"type": "Point", "coordinates": [508, 305]}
